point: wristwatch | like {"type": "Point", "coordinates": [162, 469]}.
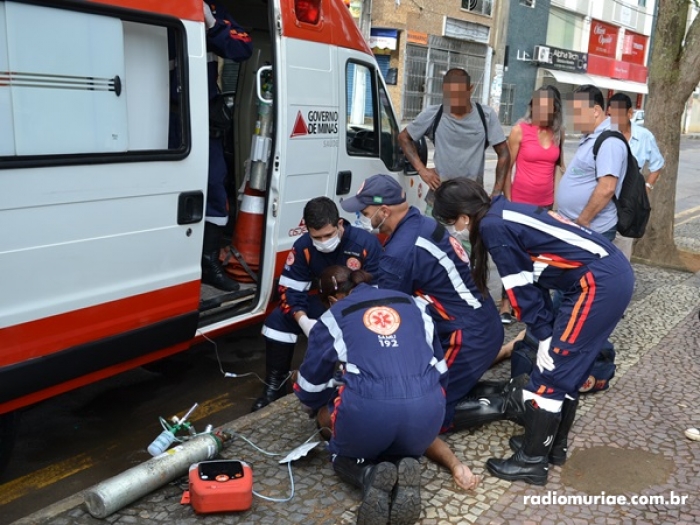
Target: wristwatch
{"type": "Point", "coordinates": [648, 185]}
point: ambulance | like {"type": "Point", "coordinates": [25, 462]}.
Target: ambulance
{"type": "Point", "coordinates": [101, 212]}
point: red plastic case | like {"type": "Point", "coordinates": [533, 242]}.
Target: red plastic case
{"type": "Point", "coordinates": [220, 486]}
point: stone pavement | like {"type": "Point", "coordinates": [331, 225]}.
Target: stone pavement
{"type": "Point", "coordinates": [627, 441]}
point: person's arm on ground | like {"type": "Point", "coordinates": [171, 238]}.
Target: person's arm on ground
{"type": "Point", "coordinates": [440, 453]}
{"type": "Point", "coordinates": [507, 349]}
{"type": "Point", "coordinates": [429, 175]}
{"type": "Point", "coordinates": [502, 167]}
{"type": "Point", "coordinates": [514, 140]}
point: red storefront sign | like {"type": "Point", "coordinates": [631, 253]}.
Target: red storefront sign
{"type": "Point", "coordinates": [603, 39]}
{"type": "Point", "coordinates": [634, 48]}
{"type": "Point", "coordinates": [608, 67]}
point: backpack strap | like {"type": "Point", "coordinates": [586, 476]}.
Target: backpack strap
{"type": "Point", "coordinates": [436, 121]}
{"type": "Point", "coordinates": [482, 116]}
{"type": "Point", "coordinates": [604, 135]}
{"type": "Point", "coordinates": [483, 122]}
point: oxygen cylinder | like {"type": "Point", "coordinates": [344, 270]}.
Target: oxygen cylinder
{"type": "Point", "coordinates": [110, 495]}
{"type": "Point", "coordinates": [262, 141]}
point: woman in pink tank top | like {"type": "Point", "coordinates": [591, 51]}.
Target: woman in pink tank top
{"type": "Point", "coordinates": [535, 144]}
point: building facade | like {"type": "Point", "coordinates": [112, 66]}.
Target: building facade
{"type": "Point", "coordinates": [568, 43]}
{"type": "Point", "coordinates": [417, 41]}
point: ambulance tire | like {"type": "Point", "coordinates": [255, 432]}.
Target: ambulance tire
{"type": "Point", "coordinates": [9, 423]}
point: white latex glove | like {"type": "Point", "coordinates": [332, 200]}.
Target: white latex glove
{"type": "Point", "coordinates": [306, 324]}
{"type": "Point", "coordinates": [544, 359]}
{"type": "Point", "coordinates": [208, 17]}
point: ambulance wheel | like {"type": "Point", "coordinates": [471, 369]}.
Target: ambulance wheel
{"type": "Point", "coordinates": [8, 435]}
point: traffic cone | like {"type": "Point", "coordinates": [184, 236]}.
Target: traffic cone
{"type": "Point", "coordinates": [242, 258]}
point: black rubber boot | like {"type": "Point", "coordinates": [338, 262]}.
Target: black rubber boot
{"type": "Point", "coordinates": [213, 273]}
{"type": "Point", "coordinates": [376, 482]}
{"type": "Point", "coordinates": [405, 499]}
{"type": "Point", "coordinates": [487, 388]}
{"type": "Point", "coordinates": [471, 412]}
{"type": "Point", "coordinates": [530, 462]}
{"type": "Point", "coordinates": [278, 360]}
{"type": "Point", "coordinates": [557, 456]}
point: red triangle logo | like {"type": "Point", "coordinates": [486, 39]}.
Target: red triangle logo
{"type": "Point", "coordinates": [299, 128]}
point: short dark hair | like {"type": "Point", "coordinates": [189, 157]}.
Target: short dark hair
{"type": "Point", "coordinates": [621, 99]}
{"type": "Point", "coordinates": [319, 212]}
{"type": "Point", "coordinates": [457, 74]}
{"type": "Point", "coordinates": [594, 95]}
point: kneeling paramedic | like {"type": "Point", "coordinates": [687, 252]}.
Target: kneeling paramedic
{"type": "Point", "coordinates": [536, 250]}
{"type": "Point", "coordinates": [330, 240]}
{"type": "Point", "coordinates": [386, 404]}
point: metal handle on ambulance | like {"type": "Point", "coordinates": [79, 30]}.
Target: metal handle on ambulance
{"type": "Point", "coordinates": [258, 84]}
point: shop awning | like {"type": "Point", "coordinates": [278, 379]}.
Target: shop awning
{"type": "Point", "coordinates": [578, 79]}
{"type": "Point", "coordinates": [619, 85]}
{"type": "Point", "coordinates": [383, 38]}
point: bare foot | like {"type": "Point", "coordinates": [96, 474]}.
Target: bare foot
{"type": "Point", "coordinates": [464, 478]}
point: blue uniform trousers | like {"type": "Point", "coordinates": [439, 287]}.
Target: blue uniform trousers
{"type": "Point", "coordinates": [373, 429]}
{"type": "Point", "coordinates": [589, 312]}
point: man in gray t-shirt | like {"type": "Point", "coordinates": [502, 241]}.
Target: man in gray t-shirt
{"type": "Point", "coordinates": [459, 137]}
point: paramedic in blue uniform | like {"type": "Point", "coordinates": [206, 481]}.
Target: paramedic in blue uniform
{"type": "Point", "coordinates": [386, 404]}
{"type": "Point", "coordinates": [226, 39]}
{"type": "Point", "coordinates": [329, 241]}
{"type": "Point", "coordinates": [422, 259]}
{"type": "Point", "coordinates": [535, 251]}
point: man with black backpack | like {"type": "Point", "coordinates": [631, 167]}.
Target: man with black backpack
{"type": "Point", "coordinates": [461, 131]}
{"type": "Point", "coordinates": [593, 179]}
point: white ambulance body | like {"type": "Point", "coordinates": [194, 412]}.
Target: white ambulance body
{"type": "Point", "coordinates": [101, 216]}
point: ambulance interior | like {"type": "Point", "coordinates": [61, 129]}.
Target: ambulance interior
{"type": "Point", "coordinates": [238, 84]}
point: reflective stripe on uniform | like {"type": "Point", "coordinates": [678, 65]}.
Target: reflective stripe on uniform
{"type": "Point", "coordinates": [219, 221]}
{"type": "Point", "coordinates": [337, 334]}
{"type": "Point", "coordinates": [427, 320]}
{"type": "Point", "coordinates": [538, 267]}
{"type": "Point", "coordinates": [276, 335]}
{"type": "Point", "coordinates": [299, 286]}
{"type": "Point", "coordinates": [452, 273]}
{"type": "Point", "coordinates": [517, 279]}
{"type": "Point", "coordinates": [562, 234]}
{"type": "Point", "coordinates": [310, 387]}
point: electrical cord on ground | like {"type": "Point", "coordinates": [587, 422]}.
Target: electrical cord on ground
{"type": "Point", "coordinates": [231, 374]}
{"type": "Point", "coordinates": [289, 465]}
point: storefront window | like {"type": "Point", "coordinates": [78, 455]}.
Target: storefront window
{"type": "Point", "coordinates": [564, 29]}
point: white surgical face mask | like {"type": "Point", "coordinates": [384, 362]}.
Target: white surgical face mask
{"type": "Point", "coordinates": [366, 223]}
{"type": "Point", "coordinates": [327, 246]}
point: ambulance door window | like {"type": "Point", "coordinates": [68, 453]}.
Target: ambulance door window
{"type": "Point", "coordinates": [96, 88]}
{"type": "Point", "coordinates": [362, 129]}
{"type": "Point", "coordinates": [389, 132]}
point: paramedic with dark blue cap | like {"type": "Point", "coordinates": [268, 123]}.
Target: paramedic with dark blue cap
{"type": "Point", "coordinates": [537, 250]}
{"type": "Point", "coordinates": [329, 241]}
{"type": "Point", "coordinates": [422, 259]}
{"type": "Point", "coordinates": [386, 405]}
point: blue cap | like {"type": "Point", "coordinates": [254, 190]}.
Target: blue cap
{"type": "Point", "coordinates": [378, 190]}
